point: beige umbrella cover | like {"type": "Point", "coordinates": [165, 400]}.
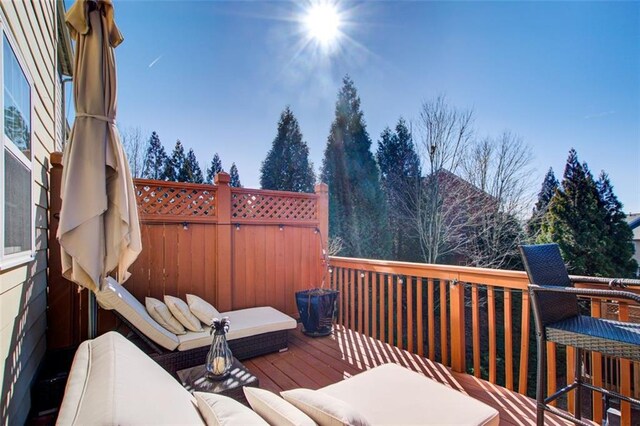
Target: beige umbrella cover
{"type": "Point", "coordinates": [99, 230]}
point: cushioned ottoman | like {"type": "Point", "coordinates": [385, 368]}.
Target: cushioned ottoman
{"type": "Point", "coordinates": [393, 395]}
{"type": "Point", "coordinates": [112, 382]}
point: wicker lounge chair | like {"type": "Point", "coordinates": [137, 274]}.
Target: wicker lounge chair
{"type": "Point", "coordinates": [555, 307]}
{"type": "Point", "coordinates": [254, 331]}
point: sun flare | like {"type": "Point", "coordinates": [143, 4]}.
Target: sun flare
{"type": "Point", "coordinates": [322, 21]}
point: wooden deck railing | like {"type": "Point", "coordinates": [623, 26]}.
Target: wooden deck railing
{"type": "Point", "coordinates": [458, 315]}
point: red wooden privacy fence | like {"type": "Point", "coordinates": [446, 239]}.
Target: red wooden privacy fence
{"type": "Point", "coordinates": [235, 247]}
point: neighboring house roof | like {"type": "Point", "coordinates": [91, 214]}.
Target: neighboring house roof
{"type": "Point", "coordinates": [65, 49]}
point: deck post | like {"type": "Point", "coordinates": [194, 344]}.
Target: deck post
{"type": "Point", "coordinates": [322, 211]}
{"type": "Point", "coordinates": [322, 191]}
{"type": "Point", "coordinates": [456, 297]}
{"type": "Point", "coordinates": [224, 277]}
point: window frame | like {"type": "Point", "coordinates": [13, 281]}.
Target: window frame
{"type": "Point", "coordinates": [25, 256]}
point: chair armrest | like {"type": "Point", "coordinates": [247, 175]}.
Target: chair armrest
{"type": "Point", "coordinates": [614, 294]}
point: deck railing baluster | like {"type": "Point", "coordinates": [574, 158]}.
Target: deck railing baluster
{"type": "Point", "coordinates": [386, 300]}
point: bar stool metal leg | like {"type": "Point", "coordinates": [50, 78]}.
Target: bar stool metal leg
{"type": "Point", "coordinates": [578, 380]}
{"type": "Point", "coordinates": [541, 376]}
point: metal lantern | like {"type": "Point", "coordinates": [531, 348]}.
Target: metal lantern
{"type": "Point", "coordinates": [219, 358]}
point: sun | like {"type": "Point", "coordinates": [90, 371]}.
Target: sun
{"type": "Point", "coordinates": [322, 22]}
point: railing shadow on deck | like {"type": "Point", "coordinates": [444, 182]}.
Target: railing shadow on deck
{"type": "Point", "coordinates": [475, 321]}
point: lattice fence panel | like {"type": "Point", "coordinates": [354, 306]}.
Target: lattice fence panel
{"type": "Point", "coordinates": [266, 206]}
{"type": "Point", "coordinates": [166, 200]}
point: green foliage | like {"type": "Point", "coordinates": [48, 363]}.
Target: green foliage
{"type": "Point", "coordinates": [356, 203]}
{"type": "Point", "coordinates": [549, 186]}
{"type": "Point", "coordinates": [618, 234]}
{"type": "Point", "coordinates": [155, 159]}
{"type": "Point", "coordinates": [214, 168]}
{"type": "Point", "coordinates": [399, 172]}
{"type": "Point", "coordinates": [174, 164]}
{"type": "Point", "coordinates": [287, 166]}
{"type": "Point", "coordinates": [190, 170]}
{"type": "Point", "coordinates": [585, 218]}
{"type": "Point", "coordinates": [234, 177]}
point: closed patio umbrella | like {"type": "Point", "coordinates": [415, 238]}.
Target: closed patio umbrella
{"type": "Point", "coordinates": [99, 232]}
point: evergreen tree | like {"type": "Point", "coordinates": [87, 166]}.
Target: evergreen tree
{"type": "Point", "coordinates": [575, 221]}
{"type": "Point", "coordinates": [617, 233]}
{"type": "Point", "coordinates": [234, 177]}
{"type": "Point", "coordinates": [175, 163]}
{"type": "Point", "coordinates": [549, 187]}
{"type": "Point", "coordinates": [190, 170]}
{"type": "Point", "coordinates": [155, 159]}
{"type": "Point", "coordinates": [356, 202]}
{"type": "Point", "coordinates": [400, 172]}
{"type": "Point", "coordinates": [214, 168]}
{"type": "Point", "coordinates": [287, 166]}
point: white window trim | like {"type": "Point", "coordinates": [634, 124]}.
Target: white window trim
{"type": "Point", "coordinates": [16, 259]}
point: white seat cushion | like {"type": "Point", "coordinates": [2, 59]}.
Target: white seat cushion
{"type": "Point", "coordinates": [275, 410]}
{"type": "Point", "coordinates": [115, 297]}
{"type": "Point", "coordinates": [112, 382]}
{"type": "Point", "coordinates": [324, 408]}
{"type": "Point", "coordinates": [181, 312]}
{"type": "Point", "coordinates": [161, 313]}
{"type": "Point", "coordinates": [243, 323]}
{"type": "Point", "coordinates": [220, 410]}
{"type": "Point", "coordinates": [391, 394]}
{"type": "Point", "coordinates": [202, 309]}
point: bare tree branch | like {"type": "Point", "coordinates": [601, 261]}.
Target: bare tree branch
{"type": "Point", "coordinates": [136, 149]}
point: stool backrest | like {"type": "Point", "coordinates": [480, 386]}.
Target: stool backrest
{"type": "Point", "coordinates": [545, 267]}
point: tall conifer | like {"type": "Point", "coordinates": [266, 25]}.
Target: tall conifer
{"type": "Point", "coordinates": [234, 177]}
{"type": "Point", "coordinates": [548, 189]}
{"type": "Point", "coordinates": [400, 172]}
{"type": "Point", "coordinates": [575, 221]}
{"type": "Point", "coordinates": [155, 159]}
{"type": "Point", "coordinates": [190, 170]}
{"type": "Point", "coordinates": [175, 163]}
{"type": "Point", "coordinates": [617, 233]}
{"type": "Point", "coordinates": [214, 168]}
{"type": "Point", "coordinates": [287, 166]}
{"type": "Point", "coordinates": [356, 202]}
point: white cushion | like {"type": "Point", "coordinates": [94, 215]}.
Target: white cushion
{"type": "Point", "coordinates": [115, 297]}
{"type": "Point", "coordinates": [160, 312]}
{"type": "Point", "coordinates": [243, 323]}
{"type": "Point", "coordinates": [220, 410]}
{"type": "Point", "coordinates": [202, 309]}
{"type": "Point", "coordinates": [324, 409]}
{"type": "Point", "coordinates": [181, 311]}
{"type": "Point", "coordinates": [275, 410]}
{"type": "Point", "coordinates": [391, 394]}
{"type": "Point", "coordinates": [112, 382]}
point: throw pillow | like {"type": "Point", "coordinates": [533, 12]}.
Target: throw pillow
{"type": "Point", "coordinates": [219, 410]}
{"type": "Point", "coordinates": [324, 409]}
{"type": "Point", "coordinates": [160, 312]}
{"type": "Point", "coordinates": [202, 309]}
{"type": "Point", "coordinates": [275, 410]}
{"type": "Point", "coordinates": [181, 311]}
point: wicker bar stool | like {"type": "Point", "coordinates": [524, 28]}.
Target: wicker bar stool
{"type": "Point", "coordinates": [555, 308]}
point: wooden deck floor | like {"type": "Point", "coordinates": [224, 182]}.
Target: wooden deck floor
{"type": "Point", "coordinates": [314, 363]}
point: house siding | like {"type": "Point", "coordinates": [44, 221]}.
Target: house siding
{"type": "Point", "coordinates": [23, 296]}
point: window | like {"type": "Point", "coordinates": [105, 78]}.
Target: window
{"type": "Point", "coordinates": [16, 182]}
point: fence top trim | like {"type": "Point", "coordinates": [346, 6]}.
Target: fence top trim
{"type": "Point", "coordinates": [273, 193]}
{"type": "Point", "coordinates": [177, 185]}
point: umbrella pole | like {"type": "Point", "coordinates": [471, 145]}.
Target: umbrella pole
{"type": "Point", "coordinates": [92, 313]}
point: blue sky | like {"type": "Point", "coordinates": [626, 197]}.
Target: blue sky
{"type": "Point", "coordinates": [216, 75]}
